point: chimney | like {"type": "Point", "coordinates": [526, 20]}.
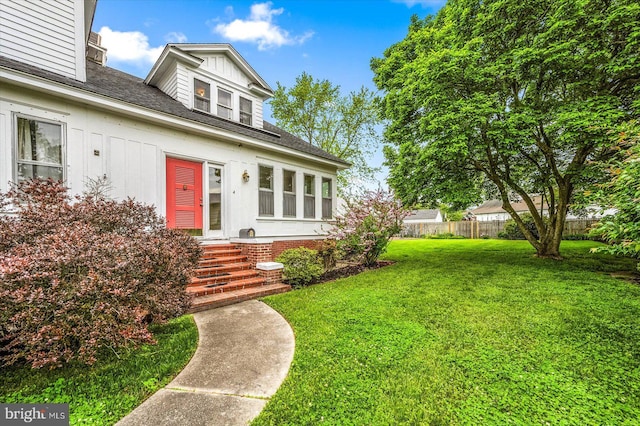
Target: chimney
{"type": "Point", "coordinates": [95, 52]}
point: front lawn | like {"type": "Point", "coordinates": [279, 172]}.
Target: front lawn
{"type": "Point", "coordinates": [107, 391]}
{"type": "Point", "coordinates": [465, 332]}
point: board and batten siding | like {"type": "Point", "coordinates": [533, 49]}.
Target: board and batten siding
{"type": "Point", "coordinates": [223, 66]}
{"type": "Point", "coordinates": [45, 33]}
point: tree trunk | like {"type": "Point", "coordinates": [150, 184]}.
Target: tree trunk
{"type": "Point", "coordinates": [549, 248]}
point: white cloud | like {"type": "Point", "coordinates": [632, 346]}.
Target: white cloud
{"type": "Point", "coordinates": [260, 29]}
{"type": "Point", "coordinates": [175, 37]}
{"type": "Point", "coordinates": [129, 46]}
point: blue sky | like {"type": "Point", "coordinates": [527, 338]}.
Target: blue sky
{"type": "Point", "coordinates": [328, 39]}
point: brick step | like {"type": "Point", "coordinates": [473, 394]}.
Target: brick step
{"type": "Point", "coordinates": [203, 271]}
{"type": "Point", "coordinates": [249, 282]}
{"type": "Point", "coordinates": [227, 298]}
{"type": "Point", "coordinates": [208, 254]}
{"type": "Point", "coordinates": [220, 260]}
{"type": "Point", "coordinates": [223, 277]}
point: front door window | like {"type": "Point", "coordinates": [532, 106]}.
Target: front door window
{"type": "Point", "coordinates": [215, 198]}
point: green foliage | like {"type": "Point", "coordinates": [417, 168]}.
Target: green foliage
{"type": "Point", "coordinates": [107, 391]}
{"type": "Point", "coordinates": [512, 231]}
{"type": "Point", "coordinates": [444, 236]}
{"type": "Point", "coordinates": [344, 126]}
{"type": "Point", "coordinates": [465, 332]}
{"type": "Point", "coordinates": [622, 231]}
{"type": "Point", "coordinates": [524, 94]}
{"type": "Point", "coordinates": [329, 252]}
{"type": "Point", "coordinates": [301, 266]}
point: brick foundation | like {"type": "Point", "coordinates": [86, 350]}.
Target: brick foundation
{"type": "Point", "coordinates": [280, 246]}
{"type": "Point", "coordinates": [257, 252]}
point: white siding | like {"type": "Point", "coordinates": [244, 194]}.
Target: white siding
{"type": "Point", "coordinates": [169, 84]}
{"type": "Point", "coordinates": [43, 33]}
{"type": "Point", "coordinates": [132, 154]}
{"type": "Point", "coordinates": [258, 114]}
{"type": "Point", "coordinates": [184, 86]}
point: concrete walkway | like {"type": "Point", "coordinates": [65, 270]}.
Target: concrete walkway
{"type": "Point", "coordinates": [243, 355]}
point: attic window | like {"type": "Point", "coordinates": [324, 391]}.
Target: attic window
{"type": "Point", "coordinates": [225, 108]}
{"type": "Point", "coordinates": [246, 112]}
{"type": "Point", "coordinates": [201, 96]}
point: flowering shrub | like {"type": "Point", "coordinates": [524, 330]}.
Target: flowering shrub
{"type": "Point", "coordinates": [368, 224]}
{"type": "Point", "coordinates": [301, 266]}
{"type": "Point", "coordinates": [83, 275]}
{"type": "Point", "coordinates": [329, 253]}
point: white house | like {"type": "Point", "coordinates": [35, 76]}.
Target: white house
{"type": "Point", "coordinates": [492, 210]}
{"type": "Point", "coordinates": [424, 216]}
{"type": "Point", "coordinates": [190, 138]}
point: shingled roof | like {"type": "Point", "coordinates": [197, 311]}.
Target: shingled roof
{"type": "Point", "coordinates": [124, 87]}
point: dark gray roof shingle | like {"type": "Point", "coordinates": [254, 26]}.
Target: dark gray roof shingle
{"type": "Point", "coordinates": [124, 87]}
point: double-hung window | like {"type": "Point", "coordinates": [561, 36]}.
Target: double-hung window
{"type": "Point", "coordinates": [265, 193]}
{"type": "Point", "coordinates": [289, 193]}
{"type": "Point", "coordinates": [327, 196]}
{"type": "Point", "coordinates": [246, 111]}
{"type": "Point", "coordinates": [309, 196]}
{"type": "Point", "coordinates": [201, 96]}
{"type": "Point", "coordinates": [225, 106]}
{"type": "Point", "coordinates": [39, 149]}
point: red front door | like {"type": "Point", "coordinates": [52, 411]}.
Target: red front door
{"type": "Point", "coordinates": [184, 194]}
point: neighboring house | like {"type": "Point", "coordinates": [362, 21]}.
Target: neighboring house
{"type": "Point", "coordinates": [423, 216]}
{"type": "Point", "coordinates": [189, 139]}
{"type": "Point", "coordinates": [492, 210]}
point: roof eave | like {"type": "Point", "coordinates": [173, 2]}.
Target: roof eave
{"type": "Point", "coordinates": [83, 96]}
{"type": "Point", "coordinates": [169, 55]}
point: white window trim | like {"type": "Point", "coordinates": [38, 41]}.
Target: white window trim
{"type": "Point", "coordinates": [218, 104]}
{"type": "Point", "coordinates": [195, 95]}
{"type": "Point", "coordinates": [63, 141]}
{"type": "Point", "coordinates": [240, 112]}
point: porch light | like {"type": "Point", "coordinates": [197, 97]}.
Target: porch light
{"type": "Point", "coordinates": [245, 176]}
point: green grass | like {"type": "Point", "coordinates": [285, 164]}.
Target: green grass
{"type": "Point", "coordinates": [113, 387]}
{"type": "Point", "coordinates": [465, 332]}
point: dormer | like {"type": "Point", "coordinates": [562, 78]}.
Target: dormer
{"type": "Point", "coordinates": [213, 79]}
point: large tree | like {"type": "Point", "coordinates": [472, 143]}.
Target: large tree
{"type": "Point", "coordinates": [524, 94]}
{"type": "Point", "coordinates": [344, 126]}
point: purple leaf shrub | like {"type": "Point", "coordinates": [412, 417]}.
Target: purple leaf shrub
{"type": "Point", "coordinates": [85, 274]}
